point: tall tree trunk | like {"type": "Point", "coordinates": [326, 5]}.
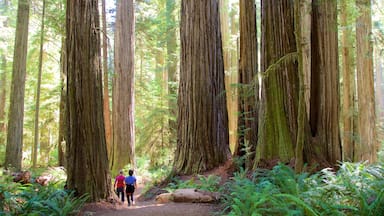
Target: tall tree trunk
{"type": "Point", "coordinates": [171, 68]}
{"type": "Point", "coordinates": [230, 73]}
{"type": "Point", "coordinates": [249, 86]}
{"type": "Point", "coordinates": [324, 111]}
{"type": "Point", "coordinates": [123, 92]}
{"type": "Point", "coordinates": [63, 109]}
{"type": "Point", "coordinates": [303, 42]}
{"type": "Point", "coordinates": [37, 106]}
{"type": "Point", "coordinates": [14, 149]}
{"type": "Point", "coordinates": [278, 112]}
{"type": "Point", "coordinates": [366, 147]}
{"type": "Point", "coordinates": [107, 113]}
{"type": "Point", "coordinates": [203, 119]}
{"type": "Point", "coordinates": [348, 82]}
{"type": "Point", "coordinates": [86, 145]}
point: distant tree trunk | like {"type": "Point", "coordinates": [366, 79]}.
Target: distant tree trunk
{"type": "Point", "coordinates": [86, 145]}
{"type": "Point", "coordinates": [348, 82]}
{"type": "Point", "coordinates": [278, 112]}
{"type": "Point", "coordinates": [171, 68]}
{"type": "Point", "coordinates": [63, 109]}
{"type": "Point", "coordinates": [366, 147]}
{"type": "Point", "coordinates": [3, 97]}
{"type": "Point", "coordinates": [123, 91]}
{"type": "Point", "coordinates": [303, 42]}
{"type": "Point", "coordinates": [107, 113]}
{"type": "Point", "coordinates": [203, 120]}
{"type": "Point", "coordinates": [37, 106]}
{"type": "Point", "coordinates": [14, 151]}
{"type": "Point", "coordinates": [249, 87]}
{"type": "Point", "coordinates": [324, 111]}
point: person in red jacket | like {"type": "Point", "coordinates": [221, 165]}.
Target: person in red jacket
{"type": "Point", "coordinates": [120, 185]}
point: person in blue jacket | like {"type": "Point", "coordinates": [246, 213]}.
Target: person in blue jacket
{"type": "Point", "coordinates": [130, 183]}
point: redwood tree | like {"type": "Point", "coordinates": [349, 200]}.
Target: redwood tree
{"type": "Point", "coordinates": [86, 145]}
{"type": "Point", "coordinates": [14, 149]}
{"type": "Point", "coordinates": [249, 86]}
{"type": "Point", "coordinates": [203, 120]}
{"type": "Point", "coordinates": [123, 88]}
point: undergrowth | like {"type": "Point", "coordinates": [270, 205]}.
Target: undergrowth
{"type": "Point", "coordinates": [355, 189]}
{"type": "Point", "coordinates": [34, 199]}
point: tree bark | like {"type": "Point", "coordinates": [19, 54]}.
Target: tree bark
{"type": "Point", "coordinates": [324, 110]}
{"type": "Point", "coordinates": [37, 106]}
{"type": "Point", "coordinates": [203, 119]}
{"type": "Point", "coordinates": [123, 91]}
{"type": "Point", "coordinates": [248, 103]}
{"type": "Point", "coordinates": [348, 106]}
{"type": "Point", "coordinates": [63, 108]}
{"type": "Point", "coordinates": [14, 151]}
{"type": "Point", "coordinates": [279, 96]}
{"type": "Point", "coordinates": [107, 112]}
{"type": "Point", "coordinates": [86, 145]}
{"type": "Point", "coordinates": [366, 147]}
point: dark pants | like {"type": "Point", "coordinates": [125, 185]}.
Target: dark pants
{"type": "Point", "coordinates": [129, 191]}
{"type": "Point", "coordinates": [120, 190]}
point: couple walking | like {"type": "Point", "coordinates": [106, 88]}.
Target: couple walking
{"type": "Point", "coordinates": [128, 183]}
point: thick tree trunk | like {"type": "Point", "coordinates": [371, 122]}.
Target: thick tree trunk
{"type": "Point", "coordinates": [366, 146]}
{"type": "Point", "coordinates": [37, 106]}
{"type": "Point", "coordinates": [303, 42]}
{"type": "Point", "coordinates": [348, 82]}
{"type": "Point", "coordinates": [86, 145]}
{"type": "Point", "coordinates": [324, 111]}
{"type": "Point", "coordinates": [107, 113]}
{"type": "Point", "coordinates": [249, 86]}
{"type": "Point", "coordinates": [203, 120]}
{"type": "Point", "coordinates": [14, 150]}
{"type": "Point", "coordinates": [123, 89]}
{"type": "Point", "coordinates": [278, 111]}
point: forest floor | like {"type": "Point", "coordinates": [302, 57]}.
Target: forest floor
{"type": "Point", "coordinates": [151, 207]}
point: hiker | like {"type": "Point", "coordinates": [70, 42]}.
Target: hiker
{"type": "Point", "coordinates": [119, 185]}
{"type": "Point", "coordinates": [130, 182]}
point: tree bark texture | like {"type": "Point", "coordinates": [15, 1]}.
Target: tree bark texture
{"type": "Point", "coordinates": [248, 103]}
{"type": "Point", "coordinates": [123, 89]}
{"type": "Point", "coordinates": [86, 145]}
{"type": "Point", "coordinates": [279, 96]}
{"type": "Point", "coordinates": [38, 88]}
{"type": "Point", "coordinates": [107, 112]}
{"type": "Point", "coordinates": [348, 73]}
{"type": "Point", "coordinates": [324, 110]}
{"type": "Point", "coordinates": [366, 146]}
{"type": "Point", "coordinates": [14, 150]}
{"type": "Point", "coordinates": [203, 119]}
{"type": "Point", "coordinates": [63, 108]}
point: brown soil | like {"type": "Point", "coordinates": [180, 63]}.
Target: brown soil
{"type": "Point", "coordinates": [150, 207]}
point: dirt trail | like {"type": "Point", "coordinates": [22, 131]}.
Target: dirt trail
{"type": "Point", "coordinates": [149, 208]}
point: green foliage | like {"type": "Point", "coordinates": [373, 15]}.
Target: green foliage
{"type": "Point", "coordinates": [356, 189]}
{"type": "Point", "coordinates": [206, 183]}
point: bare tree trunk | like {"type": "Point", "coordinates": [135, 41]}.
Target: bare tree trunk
{"type": "Point", "coordinates": [86, 145]}
{"type": "Point", "coordinates": [348, 82]}
{"type": "Point", "coordinates": [107, 113]}
{"type": "Point", "coordinates": [203, 119]}
{"type": "Point", "coordinates": [13, 156]}
{"type": "Point", "coordinates": [37, 106]}
{"type": "Point", "coordinates": [63, 109]}
{"type": "Point", "coordinates": [248, 104]}
{"type": "Point", "coordinates": [303, 42]}
{"type": "Point", "coordinates": [366, 147]}
{"type": "Point", "coordinates": [278, 107]}
{"type": "Point", "coordinates": [324, 110]}
{"type": "Point", "coordinates": [123, 92]}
